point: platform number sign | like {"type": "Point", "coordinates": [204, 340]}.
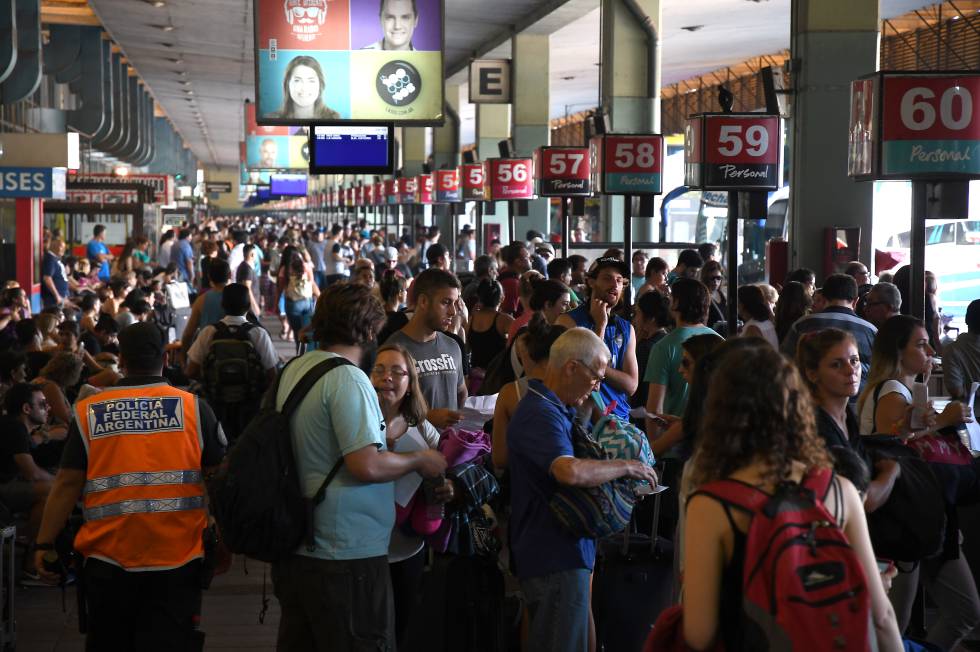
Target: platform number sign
{"type": "Point", "coordinates": [406, 190]}
{"type": "Point", "coordinates": [915, 126]}
{"type": "Point", "coordinates": [379, 193]}
{"type": "Point", "coordinates": [472, 181]}
{"type": "Point", "coordinates": [563, 171]}
{"type": "Point", "coordinates": [423, 189]}
{"type": "Point", "coordinates": [391, 191]}
{"type": "Point", "coordinates": [628, 164]}
{"type": "Point", "coordinates": [732, 151]}
{"type": "Point", "coordinates": [509, 178]}
{"type": "Point", "coordinates": [446, 184]}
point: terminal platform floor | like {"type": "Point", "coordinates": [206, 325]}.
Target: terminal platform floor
{"type": "Point", "coordinates": [230, 613]}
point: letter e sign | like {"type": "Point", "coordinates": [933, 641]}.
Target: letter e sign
{"type": "Point", "coordinates": [490, 81]}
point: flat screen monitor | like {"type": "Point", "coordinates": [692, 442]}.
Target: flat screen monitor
{"type": "Point", "coordinates": [352, 149]}
{"type": "Point", "coordinates": [263, 193]}
{"type": "Point", "coordinates": [292, 185]}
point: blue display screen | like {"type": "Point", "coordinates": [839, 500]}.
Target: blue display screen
{"type": "Point", "coordinates": [363, 149]}
{"type": "Point", "coordinates": [288, 184]}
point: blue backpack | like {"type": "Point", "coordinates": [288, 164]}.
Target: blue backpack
{"type": "Point", "coordinates": [621, 439]}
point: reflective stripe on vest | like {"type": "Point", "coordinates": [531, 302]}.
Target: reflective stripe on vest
{"type": "Point", "coordinates": [143, 498]}
{"type": "Point", "coordinates": [142, 479]}
{"type": "Point", "coordinates": [143, 506]}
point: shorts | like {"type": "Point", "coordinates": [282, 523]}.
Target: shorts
{"type": "Point", "coordinates": [17, 495]}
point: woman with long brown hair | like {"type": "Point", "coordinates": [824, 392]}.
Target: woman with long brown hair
{"type": "Point", "coordinates": [758, 429]}
{"type": "Point", "coordinates": [396, 380]}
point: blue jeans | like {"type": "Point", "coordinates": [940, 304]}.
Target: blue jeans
{"type": "Point", "coordinates": [299, 314]}
{"type": "Point", "coordinates": [559, 608]}
{"type": "Point", "coordinates": [320, 278]}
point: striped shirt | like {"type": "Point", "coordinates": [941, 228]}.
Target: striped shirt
{"type": "Point", "coordinates": [839, 317]}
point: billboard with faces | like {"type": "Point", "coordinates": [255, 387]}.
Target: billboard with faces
{"type": "Point", "coordinates": [274, 148]}
{"type": "Point", "coordinates": [322, 61]}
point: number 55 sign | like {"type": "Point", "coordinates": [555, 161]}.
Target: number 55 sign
{"type": "Point", "coordinates": [915, 126]}
{"type": "Point", "coordinates": [628, 164]}
{"type": "Point", "coordinates": [732, 151]}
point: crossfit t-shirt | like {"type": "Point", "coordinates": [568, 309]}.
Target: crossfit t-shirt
{"type": "Point", "coordinates": [440, 367]}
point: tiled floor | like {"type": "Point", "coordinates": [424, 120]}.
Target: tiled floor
{"type": "Point", "coordinates": [229, 618]}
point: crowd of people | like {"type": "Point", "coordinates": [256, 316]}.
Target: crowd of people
{"type": "Point", "coordinates": [810, 378]}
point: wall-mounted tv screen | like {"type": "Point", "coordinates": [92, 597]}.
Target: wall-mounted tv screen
{"type": "Point", "coordinates": [263, 193]}
{"type": "Point", "coordinates": [293, 185]}
{"type": "Point", "coordinates": [352, 149]}
{"type": "Point", "coordinates": [340, 60]}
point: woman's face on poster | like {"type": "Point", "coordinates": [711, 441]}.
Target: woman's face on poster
{"type": "Point", "coordinates": [304, 86]}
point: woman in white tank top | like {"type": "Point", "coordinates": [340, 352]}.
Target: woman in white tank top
{"type": "Point", "coordinates": [753, 308]}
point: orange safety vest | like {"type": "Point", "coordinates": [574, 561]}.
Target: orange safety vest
{"type": "Point", "coordinates": [144, 492]}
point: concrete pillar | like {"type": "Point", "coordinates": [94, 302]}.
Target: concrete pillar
{"type": "Point", "coordinates": [445, 151]}
{"type": "Point", "coordinates": [626, 94]}
{"type": "Point", "coordinates": [833, 43]}
{"type": "Point", "coordinates": [492, 126]}
{"type": "Point", "coordinates": [531, 115]}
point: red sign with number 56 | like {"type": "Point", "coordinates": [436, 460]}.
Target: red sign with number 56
{"type": "Point", "coordinates": [510, 178]}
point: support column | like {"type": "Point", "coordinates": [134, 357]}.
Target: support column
{"type": "Point", "coordinates": [630, 83]}
{"type": "Point", "coordinates": [413, 158]}
{"type": "Point", "coordinates": [833, 43]}
{"type": "Point", "coordinates": [531, 115]}
{"type": "Point", "coordinates": [445, 151]}
{"type": "Point", "coordinates": [492, 126]}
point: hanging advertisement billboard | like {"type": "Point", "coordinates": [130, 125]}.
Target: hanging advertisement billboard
{"type": "Point", "coordinates": [336, 60]}
{"type": "Point", "coordinates": [274, 148]}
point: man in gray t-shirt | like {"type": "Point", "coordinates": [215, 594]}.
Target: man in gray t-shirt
{"type": "Point", "coordinates": [438, 358]}
{"type": "Point", "coordinates": [318, 254]}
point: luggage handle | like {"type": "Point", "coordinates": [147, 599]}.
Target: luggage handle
{"type": "Point", "coordinates": [654, 528]}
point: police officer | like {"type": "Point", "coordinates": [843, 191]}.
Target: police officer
{"type": "Point", "coordinates": [136, 454]}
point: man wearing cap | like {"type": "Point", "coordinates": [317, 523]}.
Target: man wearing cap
{"type": "Point", "coordinates": [136, 455]}
{"type": "Point", "coordinates": [605, 281]}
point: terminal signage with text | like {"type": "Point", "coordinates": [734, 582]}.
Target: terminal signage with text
{"type": "Point", "coordinates": [337, 60]}
{"type": "Point", "coordinates": [490, 81]}
{"type": "Point", "coordinates": [423, 189]}
{"type": "Point", "coordinates": [735, 151]}
{"type": "Point", "coordinates": [473, 181]}
{"type": "Point", "coordinates": [628, 164]}
{"type": "Point", "coordinates": [509, 178]}
{"type": "Point", "coordinates": [352, 149]}
{"type": "Point", "coordinates": [563, 171]}
{"type": "Point", "coordinates": [446, 186]}
{"type": "Point", "coordinates": [930, 125]}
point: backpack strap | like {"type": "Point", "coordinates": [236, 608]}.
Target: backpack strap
{"type": "Point", "coordinates": [736, 494]}
{"type": "Point", "coordinates": [307, 382]}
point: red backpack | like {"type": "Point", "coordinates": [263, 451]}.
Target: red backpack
{"type": "Point", "coordinates": [803, 585]}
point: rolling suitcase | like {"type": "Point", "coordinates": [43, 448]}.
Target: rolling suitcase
{"type": "Point", "coordinates": [632, 584]}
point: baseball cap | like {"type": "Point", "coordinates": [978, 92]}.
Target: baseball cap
{"type": "Point", "coordinates": [601, 263]}
{"type": "Point", "coordinates": [391, 253]}
{"type": "Point", "coordinates": [141, 344]}
{"type": "Point", "coordinates": [545, 247]}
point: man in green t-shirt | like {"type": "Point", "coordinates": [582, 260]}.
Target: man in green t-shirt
{"type": "Point", "coordinates": [667, 388]}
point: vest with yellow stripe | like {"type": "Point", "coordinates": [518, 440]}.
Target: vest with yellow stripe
{"type": "Point", "coordinates": [144, 492]}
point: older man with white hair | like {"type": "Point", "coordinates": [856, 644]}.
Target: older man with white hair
{"type": "Point", "coordinates": [554, 566]}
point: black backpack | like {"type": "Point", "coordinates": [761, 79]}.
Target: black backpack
{"type": "Point", "coordinates": [256, 497]}
{"type": "Point", "coordinates": [232, 371]}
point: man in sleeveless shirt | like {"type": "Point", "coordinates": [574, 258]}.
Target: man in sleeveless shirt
{"type": "Point", "coordinates": [606, 280]}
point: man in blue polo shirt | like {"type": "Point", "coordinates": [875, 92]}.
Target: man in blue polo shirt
{"type": "Point", "coordinates": [607, 279]}
{"type": "Point", "coordinates": [98, 253]}
{"type": "Point", "coordinates": [554, 566]}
